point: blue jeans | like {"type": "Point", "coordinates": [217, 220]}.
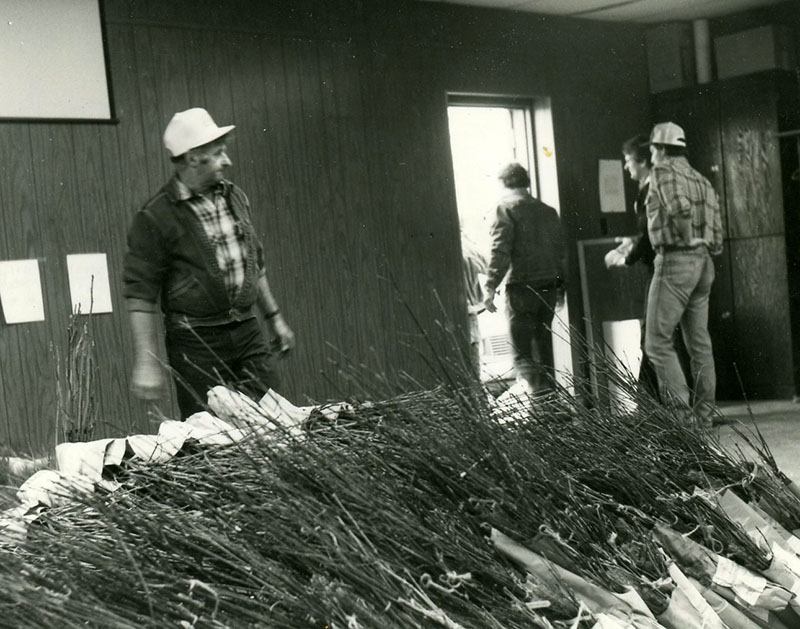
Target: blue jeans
{"type": "Point", "coordinates": [679, 294]}
{"type": "Point", "coordinates": [530, 314]}
{"type": "Point", "coordinates": [235, 354]}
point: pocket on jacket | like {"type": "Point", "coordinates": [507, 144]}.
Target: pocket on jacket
{"type": "Point", "coordinates": [182, 286]}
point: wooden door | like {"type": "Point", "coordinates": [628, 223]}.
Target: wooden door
{"type": "Point", "coordinates": [757, 239]}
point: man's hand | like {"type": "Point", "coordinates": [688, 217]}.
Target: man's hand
{"type": "Point", "coordinates": [282, 333]}
{"type": "Point", "coordinates": [488, 303]}
{"type": "Point", "coordinates": [147, 380]}
{"type": "Point", "coordinates": [614, 258]}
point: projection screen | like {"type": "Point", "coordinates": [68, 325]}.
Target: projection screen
{"type": "Point", "coordinates": [52, 61]}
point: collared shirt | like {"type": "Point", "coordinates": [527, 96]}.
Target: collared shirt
{"type": "Point", "coordinates": [682, 207]}
{"type": "Point", "coordinates": [222, 229]}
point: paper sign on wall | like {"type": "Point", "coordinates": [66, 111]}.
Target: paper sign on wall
{"type": "Point", "coordinates": [21, 291]}
{"type": "Point", "coordinates": [88, 283]}
{"type": "Point", "coordinates": [612, 186]}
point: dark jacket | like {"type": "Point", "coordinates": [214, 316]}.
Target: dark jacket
{"type": "Point", "coordinates": [170, 258]}
{"type": "Point", "coordinates": [642, 249]}
{"type": "Point", "coordinates": [527, 238]}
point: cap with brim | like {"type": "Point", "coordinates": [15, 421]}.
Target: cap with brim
{"type": "Point", "coordinates": [190, 129]}
{"type": "Point", "coordinates": [668, 133]}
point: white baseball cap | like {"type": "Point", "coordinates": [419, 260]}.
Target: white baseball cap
{"type": "Point", "coordinates": [668, 133]}
{"type": "Point", "coordinates": [190, 129]}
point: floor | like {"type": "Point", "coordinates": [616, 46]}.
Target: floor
{"type": "Point", "coordinates": [778, 422]}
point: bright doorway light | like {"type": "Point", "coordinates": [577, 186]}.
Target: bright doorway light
{"type": "Point", "coordinates": [485, 135]}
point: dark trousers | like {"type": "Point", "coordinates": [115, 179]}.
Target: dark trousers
{"type": "Point", "coordinates": [530, 313]}
{"type": "Point", "coordinates": [235, 354]}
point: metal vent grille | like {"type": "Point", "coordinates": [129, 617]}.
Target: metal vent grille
{"type": "Point", "coordinates": [498, 346]}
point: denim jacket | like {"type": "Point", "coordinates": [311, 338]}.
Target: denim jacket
{"type": "Point", "coordinates": [170, 259]}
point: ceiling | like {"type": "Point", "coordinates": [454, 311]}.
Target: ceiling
{"type": "Point", "coordinates": [643, 11]}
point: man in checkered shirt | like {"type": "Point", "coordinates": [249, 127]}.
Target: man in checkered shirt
{"type": "Point", "coordinates": [193, 250]}
{"type": "Point", "coordinates": [684, 223]}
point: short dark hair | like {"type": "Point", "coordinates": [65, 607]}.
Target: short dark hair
{"type": "Point", "coordinates": [670, 150]}
{"type": "Point", "coordinates": [638, 147]}
{"type": "Point", "coordinates": [514, 176]}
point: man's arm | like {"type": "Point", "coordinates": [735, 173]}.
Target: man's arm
{"type": "Point", "coordinates": [147, 381]}
{"type": "Point", "coordinates": [502, 239]}
{"type": "Point", "coordinates": [143, 271]}
{"type": "Point", "coordinates": [272, 315]}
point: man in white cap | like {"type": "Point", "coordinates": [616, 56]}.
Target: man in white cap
{"type": "Point", "coordinates": [685, 228]}
{"type": "Point", "coordinates": [193, 248]}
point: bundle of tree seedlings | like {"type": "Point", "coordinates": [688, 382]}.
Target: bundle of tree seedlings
{"type": "Point", "coordinates": [428, 509]}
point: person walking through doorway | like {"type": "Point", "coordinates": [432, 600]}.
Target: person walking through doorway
{"type": "Point", "coordinates": [528, 246]}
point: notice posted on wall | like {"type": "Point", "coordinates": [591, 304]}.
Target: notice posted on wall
{"type": "Point", "coordinates": [612, 186]}
{"type": "Point", "coordinates": [88, 283]}
{"type": "Point", "coordinates": [21, 291]}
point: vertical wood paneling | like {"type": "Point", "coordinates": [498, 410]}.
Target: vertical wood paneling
{"type": "Point", "coordinates": [102, 235]}
{"type": "Point", "coordinates": [286, 245]}
{"type": "Point", "coordinates": [763, 334]}
{"type": "Point", "coordinates": [313, 183]}
{"type": "Point", "coordinates": [352, 216]}
{"type": "Point", "coordinates": [153, 87]}
{"type": "Point", "coordinates": [20, 241]}
{"type": "Point", "coordinates": [211, 88]}
{"type": "Point", "coordinates": [396, 139]}
{"type": "Point", "coordinates": [722, 327]}
{"type": "Point", "coordinates": [749, 121]}
{"type": "Point", "coordinates": [62, 233]}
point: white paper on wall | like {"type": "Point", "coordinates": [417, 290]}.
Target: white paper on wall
{"type": "Point", "coordinates": [21, 291]}
{"type": "Point", "coordinates": [612, 186]}
{"type": "Point", "coordinates": [88, 283]}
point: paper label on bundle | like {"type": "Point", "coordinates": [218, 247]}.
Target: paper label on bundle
{"type": "Point", "coordinates": [709, 617]}
{"type": "Point", "coordinates": [787, 558]}
{"type": "Point", "coordinates": [793, 544]}
{"type": "Point", "coordinates": [745, 584]}
{"type": "Point", "coordinates": [604, 621]}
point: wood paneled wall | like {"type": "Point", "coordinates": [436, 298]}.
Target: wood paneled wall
{"type": "Point", "coordinates": [341, 144]}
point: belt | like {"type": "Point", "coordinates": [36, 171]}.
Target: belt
{"type": "Point", "coordinates": [662, 249]}
{"type": "Point", "coordinates": [233, 315]}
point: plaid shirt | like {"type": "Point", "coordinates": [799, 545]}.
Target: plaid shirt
{"type": "Point", "coordinates": [682, 207]}
{"type": "Point", "coordinates": [222, 230]}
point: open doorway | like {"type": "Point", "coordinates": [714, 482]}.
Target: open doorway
{"type": "Point", "coordinates": [487, 133]}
